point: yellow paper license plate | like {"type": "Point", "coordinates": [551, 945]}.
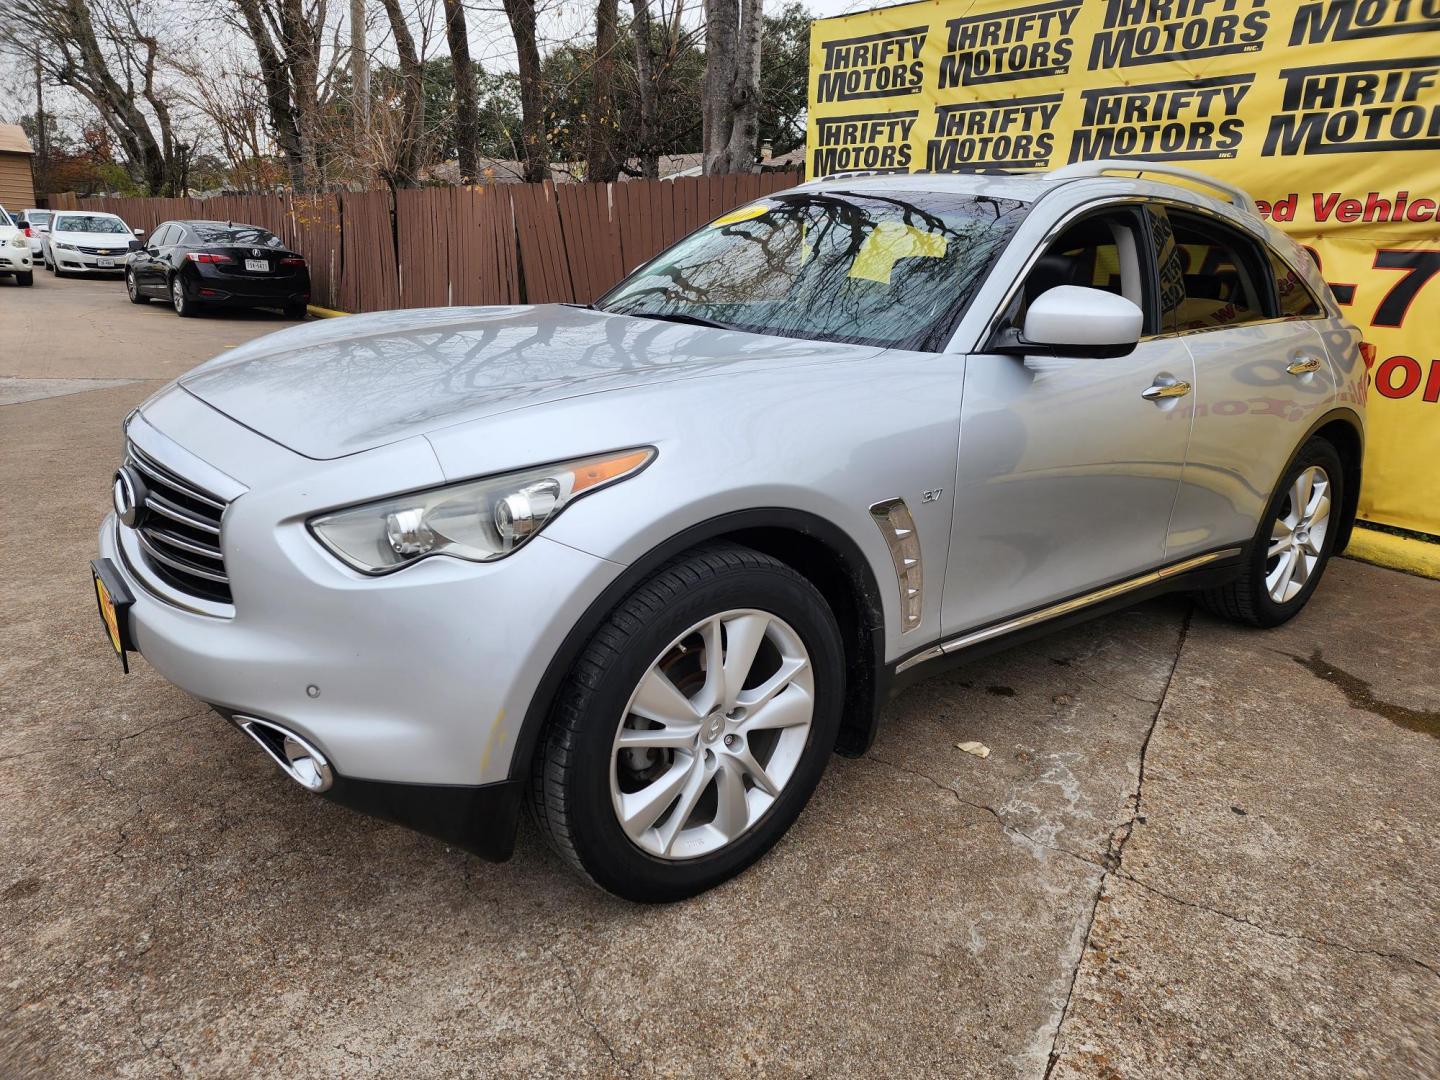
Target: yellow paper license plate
{"type": "Point", "coordinates": [114, 601]}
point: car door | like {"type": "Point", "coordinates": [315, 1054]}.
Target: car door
{"type": "Point", "coordinates": [1260, 376]}
{"type": "Point", "coordinates": [145, 263]}
{"type": "Point", "coordinates": [1068, 467]}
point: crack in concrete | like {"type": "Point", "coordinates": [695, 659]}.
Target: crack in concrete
{"type": "Point", "coordinates": [159, 1045]}
{"type": "Point", "coordinates": [1116, 850]}
{"type": "Point", "coordinates": [595, 1029]}
{"type": "Point", "coordinates": [1005, 826]}
{"type": "Point", "coordinates": [1275, 931]}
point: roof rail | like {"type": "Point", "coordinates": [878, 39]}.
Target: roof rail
{"type": "Point", "coordinates": [1238, 197]}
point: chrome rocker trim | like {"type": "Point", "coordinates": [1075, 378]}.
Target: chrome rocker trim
{"type": "Point", "coordinates": [1065, 607]}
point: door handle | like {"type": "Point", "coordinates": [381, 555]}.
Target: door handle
{"type": "Point", "coordinates": [1303, 365]}
{"type": "Point", "coordinates": [1162, 391]}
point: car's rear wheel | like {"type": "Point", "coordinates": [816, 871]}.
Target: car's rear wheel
{"type": "Point", "coordinates": [183, 305]}
{"type": "Point", "coordinates": [1293, 545]}
{"type": "Point", "coordinates": [132, 289]}
{"type": "Point", "coordinates": [296, 311]}
{"type": "Point", "coordinates": [694, 727]}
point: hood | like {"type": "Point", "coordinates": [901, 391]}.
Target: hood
{"type": "Point", "coordinates": [115, 241]}
{"type": "Point", "coordinates": [345, 385]}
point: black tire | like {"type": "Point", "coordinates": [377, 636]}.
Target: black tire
{"type": "Point", "coordinates": [570, 787]}
{"type": "Point", "coordinates": [27, 278]}
{"type": "Point", "coordinates": [183, 305]}
{"type": "Point", "coordinates": [1247, 599]}
{"type": "Point", "coordinates": [296, 311]}
{"type": "Point", "coordinates": [132, 289]}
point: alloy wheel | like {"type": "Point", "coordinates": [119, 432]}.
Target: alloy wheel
{"type": "Point", "coordinates": [177, 295]}
{"type": "Point", "coordinates": [712, 734]}
{"type": "Point", "coordinates": [130, 286]}
{"type": "Point", "coordinates": [1298, 535]}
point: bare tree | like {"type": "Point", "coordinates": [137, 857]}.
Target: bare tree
{"type": "Point", "coordinates": [467, 111]}
{"type": "Point", "coordinates": [288, 36]}
{"type": "Point", "coordinates": [108, 53]}
{"type": "Point", "coordinates": [403, 170]}
{"type": "Point", "coordinates": [601, 160]}
{"type": "Point", "coordinates": [731, 109]}
{"type": "Point", "coordinates": [645, 78]}
{"type": "Point", "coordinates": [536, 146]}
{"type": "Point", "coordinates": [231, 99]}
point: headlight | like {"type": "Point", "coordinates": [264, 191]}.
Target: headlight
{"type": "Point", "coordinates": [19, 240]}
{"type": "Point", "coordinates": [67, 247]}
{"type": "Point", "coordinates": [478, 520]}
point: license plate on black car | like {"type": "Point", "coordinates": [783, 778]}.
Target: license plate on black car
{"type": "Point", "coordinates": [257, 264]}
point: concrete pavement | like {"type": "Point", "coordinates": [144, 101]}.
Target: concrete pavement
{"type": "Point", "coordinates": [1194, 850]}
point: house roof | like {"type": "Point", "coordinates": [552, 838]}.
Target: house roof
{"type": "Point", "coordinates": [13, 140]}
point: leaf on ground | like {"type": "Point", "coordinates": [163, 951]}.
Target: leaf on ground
{"type": "Point", "coordinates": [979, 750]}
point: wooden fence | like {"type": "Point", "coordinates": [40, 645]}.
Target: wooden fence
{"type": "Point", "coordinates": [498, 244]}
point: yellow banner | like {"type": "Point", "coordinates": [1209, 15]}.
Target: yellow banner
{"type": "Point", "coordinates": [1328, 112]}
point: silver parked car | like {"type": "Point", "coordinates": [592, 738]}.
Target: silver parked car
{"type": "Point", "coordinates": [645, 564]}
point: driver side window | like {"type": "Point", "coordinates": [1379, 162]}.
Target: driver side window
{"type": "Point", "coordinates": [1099, 251]}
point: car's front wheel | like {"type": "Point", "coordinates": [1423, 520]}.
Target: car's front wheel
{"type": "Point", "coordinates": [694, 727]}
{"type": "Point", "coordinates": [27, 278]}
{"type": "Point", "coordinates": [1293, 545]}
{"type": "Point", "coordinates": [132, 289]}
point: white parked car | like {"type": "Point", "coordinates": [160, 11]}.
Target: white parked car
{"type": "Point", "coordinates": [88, 242]}
{"type": "Point", "coordinates": [15, 251]}
{"type": "Point", "coordinates": [38, 222]}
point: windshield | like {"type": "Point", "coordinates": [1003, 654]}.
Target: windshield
{"type": "Point", "coordinates": [889, 270]}
{"type": "Point", "coordinates": [235, 235]}
{"type": "Point", "coordinates": [91, 223]}
{"type": "Point", "coordinates": [38, 217]}
{"type": "Point", "coordinates": [4, 217]}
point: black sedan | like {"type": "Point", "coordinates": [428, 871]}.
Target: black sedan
{"type": "Point", "coordinates": [200, 264]}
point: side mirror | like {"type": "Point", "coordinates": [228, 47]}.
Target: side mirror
{"type": "Point", "coordinates": [139, 232]}
{"type": "Point", "coordinates": [1070, 320]}
{"type": "Point", "coordinates": [134, 245]}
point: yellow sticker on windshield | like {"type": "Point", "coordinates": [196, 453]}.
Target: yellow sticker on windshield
{"type": "Point", "coordinates": [744, 213]}
{"type": "Point", "coordinates": [889, 242]}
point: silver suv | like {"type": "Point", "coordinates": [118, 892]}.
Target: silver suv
{"type": "Point", "coordinates": [645, 564]}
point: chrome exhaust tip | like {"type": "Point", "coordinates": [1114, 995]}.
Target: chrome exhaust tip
{"type": "Point", "coordinates": [297, 759]}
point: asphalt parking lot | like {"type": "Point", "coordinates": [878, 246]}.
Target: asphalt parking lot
{"type": "Point", "coordinates": [1194, 850]}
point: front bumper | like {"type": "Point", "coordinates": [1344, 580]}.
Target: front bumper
{"type": "Point", "coordinates": [83, 262]}
{"type": "Point", "coordinates": [15, 260]}
{"type": "Point", "coordinates": [413, 685]}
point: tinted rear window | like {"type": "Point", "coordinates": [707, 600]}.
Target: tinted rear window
{"type": "Point", "coordinates": [234, 235]}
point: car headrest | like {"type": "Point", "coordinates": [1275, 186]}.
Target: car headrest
{"type": "Point", "coordinates": [1050, 271]}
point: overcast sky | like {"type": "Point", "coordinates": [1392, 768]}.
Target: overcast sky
{"type": "Point", "coordinates": [491, 44]}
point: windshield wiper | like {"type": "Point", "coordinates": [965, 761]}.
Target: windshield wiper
{"type": "Point", "coordinates": [670, 316]}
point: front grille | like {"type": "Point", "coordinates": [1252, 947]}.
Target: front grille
{"type": "Point", "coordinates": [180, 530]}
{"type": "Point", "coordinates": [101, 251]}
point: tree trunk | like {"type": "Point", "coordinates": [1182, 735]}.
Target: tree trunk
{"type": "Point", "coordinates": [600, 162]}
{"type": "Point", "coordinates": [722, 27]}
{"type": "Point", "coordinates": [731, 113]}
{"type": "Point", "coordinates": [645, 76]}
{"type": "Point", "coordinates": [521, 14]}
{"type": "Point", "coordinates": [276, 77]}
{"type": "Point", "coordinates": [745, 96]}
{"type": "Point", "coordinates": [405, 166]}
{"type": "Point", "coordinates": [359, 75]}
{"type": "Point", "coordinates": [467, 112]}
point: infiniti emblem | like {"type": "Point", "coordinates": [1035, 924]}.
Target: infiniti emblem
{"type": "Point", "coordinates": [129, 496]}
